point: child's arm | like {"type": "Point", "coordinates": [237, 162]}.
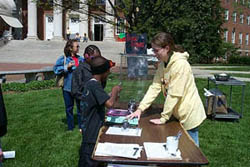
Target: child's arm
{"type": "Point", "coordinates": [114, 96]}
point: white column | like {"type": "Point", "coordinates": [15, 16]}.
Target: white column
{"type": "Point", "coordinates": [57, 20]}
{"type": "Point", "coordinates": [32, 20]}
{"type": "Point", "coordinates": [84, 19]}
{"type": "Point", "coordinates": [109, 28]}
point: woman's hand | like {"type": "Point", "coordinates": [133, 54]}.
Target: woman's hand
{"type": "Point", "coordinates": [156, 121]}
{"type": "Point", "coordinates": [137, 113]}
{"type": "Point", "coordinates": [71, 64]}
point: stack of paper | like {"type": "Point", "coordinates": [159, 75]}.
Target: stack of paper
{"type": "Point", "coordinates": [9, 154]}
{"type": "Point", "coordinates": [124, 132]}
{"type": "Point", "coordinates": [157, 151]}
{"type": "Point", "coordinates": [118, 150]}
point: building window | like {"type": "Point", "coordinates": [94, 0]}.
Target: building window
{"type": "Point", "coordinates": [248, 20]}
{"type": "Point", "coordinates": [120, 26]}
{"type": "Point", "coordinates": [241, 18]}
{"type": "Point", "coordinates": [234, 17]}
{"type": "Point", "coordinates": [100, 2]}
{"type": "Point", "coordinates": [50, 19]}
{"type": "Point", "coordinates": [240, 38]}
{"type": "Point", "coordinates": [226, 35]}
{"type": "Point", "coordinates": [74, 20]}
{"type": "Point", "coordinates": [226, 14]}
{"type": "Point", "coordinates": [233, 36]}
{"type": "Point", "coordinates": [247, 39]}
{"type": "Point", "coordinates": [75, 4]}
{"type": "Point", "coordinates": [246, 53]}
{"type": "Point", "coordinates": [99, 20]}
{"type": "Point", "coordinates": [50, 2]}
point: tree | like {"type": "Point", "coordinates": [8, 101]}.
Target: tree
{"type": "Point", "coordinates": [194, 24]}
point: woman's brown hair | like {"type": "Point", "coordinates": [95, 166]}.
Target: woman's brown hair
{"type": "Point", "coordinates": [163, 39]}
{"type": "Point", "coordinates": [68, 47]}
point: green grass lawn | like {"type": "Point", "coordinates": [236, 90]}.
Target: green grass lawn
{"type": "Point", "coordinates": [37, 129]}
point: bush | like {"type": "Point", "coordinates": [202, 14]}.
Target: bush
{"type": "Point", "coordinates": [239, 60]}
{"type": "Point", "coordinates": [23, 87]}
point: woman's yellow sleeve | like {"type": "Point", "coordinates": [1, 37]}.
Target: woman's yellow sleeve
{"type": "Point", "coordinates": [168, 109]}
{"type": "Point", "coordinates": [153, 91]}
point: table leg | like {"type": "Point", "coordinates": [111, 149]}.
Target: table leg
{"type": "Point", "coordinates": [242, 100]}
{"type": "Point", "coordinates": [207, 83]}
{"type": "Point", "coordinates": [230, 101]}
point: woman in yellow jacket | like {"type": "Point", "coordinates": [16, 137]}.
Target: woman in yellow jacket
{"type": "Point", "coordinates": [175, 78]}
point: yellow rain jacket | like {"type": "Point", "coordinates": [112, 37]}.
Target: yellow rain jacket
{"type": "Point", "coordinates": [177, 82]}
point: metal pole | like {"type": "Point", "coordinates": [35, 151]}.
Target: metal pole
{"type": "Point", "coordinates": [231, 89]}
{"type": "Point", "coordinates": [242, 101]}
{"type": "Point", "coordinates": [121, 67]}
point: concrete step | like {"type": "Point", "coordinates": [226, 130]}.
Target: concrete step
{"type": "Point", "coordinates": [36, 51]}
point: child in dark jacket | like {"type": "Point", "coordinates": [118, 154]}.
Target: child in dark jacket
{"type": "Point", "coordinates": [83, 72]}
{"type": "Point", "coordinates": [93, 103]}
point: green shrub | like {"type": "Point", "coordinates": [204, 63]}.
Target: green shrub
{"type": "Point", "coordinates": [23, 87]}
{"type": "Point", "coordinates": [239, 60]}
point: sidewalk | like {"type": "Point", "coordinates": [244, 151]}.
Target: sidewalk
{"type": "Point", "coordinates": [36, 54]}
{"type": "Point", "coordinates": [200, 73]}
{"type": "Point", "coordinates": [30, 54]}
{"type": "Point", "coordinates": [20, 66]}
{"type": "Point", "coordinates": [47, 52]}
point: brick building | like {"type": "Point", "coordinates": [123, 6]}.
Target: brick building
{"type": "Point", "coordinates": [48, 23]}
{"type": "Point", "coordinates": [51, 23]}
{"type": "Point", "coordinates": [237, 24]}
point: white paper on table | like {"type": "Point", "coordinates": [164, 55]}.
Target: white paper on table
{"type": "Point", "coordinates": [157, 151]}
{"type": "Point", "coordinates": [9, 154]}
{"type": "Point", "coordinates": [121, 165]}
{"type": "Point", "coordinates": [118, 150]}
{"type": "Point", "coordinates": [124, 132]}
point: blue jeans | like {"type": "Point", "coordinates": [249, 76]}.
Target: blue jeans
{"type": "Point", "coordinates": [194, 134]}
{"type": "Point", "coordinates": [69, 105]}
